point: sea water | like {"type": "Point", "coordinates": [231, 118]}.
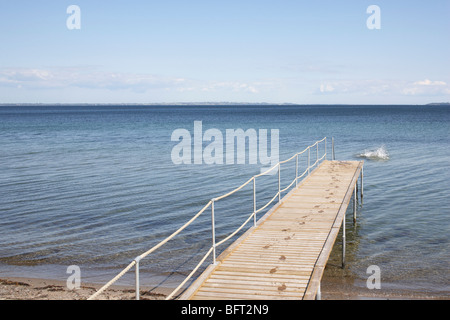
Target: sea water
{"type": "Point", "coordinates": [95, 186]}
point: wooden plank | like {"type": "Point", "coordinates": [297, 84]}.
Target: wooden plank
{"type": "Point", "coordinates": [272, 278]}
{"type": "Point", "coordinates": [306, 270]}
{"type": "Point", "coordinates": [256, 292]}
{"type": "Point", "coordinates": [237, 277]}
{"type": "Point", "coordinates": [282, 286]}
{"type": "Point", "coordinates": [306, 261]}
{"type": "Point", "coordinates": [275, 276]}
{"type": "Point", "coordinates": [277, 254]}
{"type": "Point", "coordinates": [241, 296]}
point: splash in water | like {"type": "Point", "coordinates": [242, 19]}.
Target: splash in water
{"type": "Point", "coordinates": [379, 154]}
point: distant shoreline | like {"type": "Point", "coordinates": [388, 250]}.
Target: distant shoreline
{"type": "Point", "coordinates": [206, 104]}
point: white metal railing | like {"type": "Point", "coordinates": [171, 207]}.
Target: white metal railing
{"type": "Point", "coordinates": [212, 250]}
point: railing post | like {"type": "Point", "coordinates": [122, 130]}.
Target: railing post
{"type": "Point", "coordinates": [213, 227]}
{"type": "Point", "coordinates": [362, 183]}
{"type": "Point", "coordinates": [319, 293]}
{"type": "Point", "coordinates": [279, 182]}
{"type": "Point", "coordinates": [254, 201]}
{"type": "Point", "coordinates": [296, 171]}
{"type": "Point", "coordinates": [343, 242]}
{"type": "Point", "coordinates": [137, 286]}
{"type": "Point", "coordinates": [325, 148]}
{"type": "Point", "coordinates": [354, 202]}
{"type": "Point", "coordinates": [333, 156]}
{"type": "Point", "coordinates": [317, 152]}
{"type": "Point", "coordinates": [309, 159]}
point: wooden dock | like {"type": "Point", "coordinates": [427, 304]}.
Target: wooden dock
{"type": "Point", "coordinates": [285, 254]}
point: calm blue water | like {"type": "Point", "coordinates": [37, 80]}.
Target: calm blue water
{"type": "Point", "coordinates": [95, 186]}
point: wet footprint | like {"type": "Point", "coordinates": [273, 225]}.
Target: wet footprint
{"type": "Point", "coordinates": [282, 287]}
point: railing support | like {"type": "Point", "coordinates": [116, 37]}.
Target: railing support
{"type": "Point", "coordinates": [319, 293]}
{"type": "Point", "coordinates": [296, 170]}
{"type": "Point", "coordinates": [325, 148]}
{"type": "Point", "coordinates": [343, 242]}
{"type": "Point", "coordinates": [213, 227]}
{"type": "Point", "coordinates": [279, 183]}
{"type": "Point", "coordinates": [254, 201]}
{"type": "Point", "coordinates": [355, 196]}
{"type": "Point", "coordinates": [317, 152]}
{"type": "Point", "coordinates": [362, 183]}
{"type": "Point", "coordinates": [333, 156]}
{"type": "Point", "coordinates": [309, 160]}
{"type": "Point", "coordinates": [137, 285]}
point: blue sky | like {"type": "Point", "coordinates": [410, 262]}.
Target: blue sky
{"type": "Point", "coordinates": [239, 51]}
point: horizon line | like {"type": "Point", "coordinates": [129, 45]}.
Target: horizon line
{"type": "Point", "coordinates": [211, 104]}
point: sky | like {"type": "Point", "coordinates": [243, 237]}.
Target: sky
{"type": "Point", "coordinates": [304, 52]}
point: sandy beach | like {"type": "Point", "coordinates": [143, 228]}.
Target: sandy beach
{"type": "Point", "coordinates": [42, 289]}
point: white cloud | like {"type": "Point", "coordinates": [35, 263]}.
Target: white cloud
{"type": "Point", "coordinates": [427, 87]}
{"type": "Point", "coordinates": [428, 82]}
{"type": "Point", "coordinates": [57, 78]}
{"type": "Point", "coordinates": [326, 88]}
{"type": "Point", "coordinates": [363, 87]}
{"type": "Point", "coordinates": [92, 78]}
{"type": "Point", "coordinates": [384, 87]}
{"type": "Point", "coordinates": [92, 83]}
{"type": "Point", "coordinates": [230, 86]}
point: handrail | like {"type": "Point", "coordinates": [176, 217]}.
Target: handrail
{"type": "Point", "coordinates": [266, 172]}
{"type": "Point", "coordinates": [136, 261]}
{"type": "Point", "coordinates": [233, 191]}
{"type": "Point", "coordinates": [176, 232]}
{"type": "Point", "coordinates": [148, 252]}
{"type": "Point", "coordinates": [270, 201]}
{"type": "Point", "coordinates": [190, 275]}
